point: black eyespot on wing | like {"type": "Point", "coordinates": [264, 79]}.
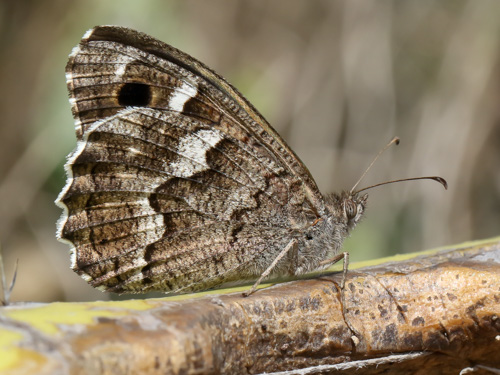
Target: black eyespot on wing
{"type": "Point", "coordinates": [134, 95]}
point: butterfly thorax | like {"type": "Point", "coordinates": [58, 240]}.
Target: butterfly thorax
{"type": "Point", "coordinates": [323, 238]}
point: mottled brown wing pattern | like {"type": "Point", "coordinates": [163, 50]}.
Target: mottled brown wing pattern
{"type": "Point", "coordinates": [177, 183]}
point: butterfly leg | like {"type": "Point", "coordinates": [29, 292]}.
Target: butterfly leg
{"type": "Point", "coordinates": [335, 259]}
{"type": "Point", "coordinates": [266, 273]}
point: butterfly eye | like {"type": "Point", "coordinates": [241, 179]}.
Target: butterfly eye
{"type": "Point", "coordinates": [350, 209]}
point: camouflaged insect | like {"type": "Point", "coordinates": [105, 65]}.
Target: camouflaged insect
{"type": "Point", "coordinates": [177, 183]}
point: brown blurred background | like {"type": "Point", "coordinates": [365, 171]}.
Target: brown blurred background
{"type": "Point", "coordinates": [337, 79]}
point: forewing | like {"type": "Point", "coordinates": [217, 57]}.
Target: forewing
{"type": "Point", "coordinates": [177, 183]}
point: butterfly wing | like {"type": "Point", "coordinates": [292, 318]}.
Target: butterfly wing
{"type": "Point", "coordinates": [177, 182]}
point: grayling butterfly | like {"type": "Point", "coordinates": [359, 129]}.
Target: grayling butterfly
{"type": "Point", "coordinates": [177, 183]}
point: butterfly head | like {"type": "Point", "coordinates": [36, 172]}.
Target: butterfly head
{"type": "Point", "coordinates": [347, 208]}
{"type": "Point", "coordinates": [353, 207]}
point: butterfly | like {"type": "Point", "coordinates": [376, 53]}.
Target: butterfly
{"type": "Point", "coordinates": [177, 183]}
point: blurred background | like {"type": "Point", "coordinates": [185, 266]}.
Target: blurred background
{"type": "Point", "coordinates": [337, 79]}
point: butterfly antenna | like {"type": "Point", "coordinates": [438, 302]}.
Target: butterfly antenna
{"type": "Point", "coordinates": [393, 140]}
{"type": "Point", "coordinates": [441, 180]}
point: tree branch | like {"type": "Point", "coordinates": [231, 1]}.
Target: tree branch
{"type": "Point", "coordinates": [434, 312]}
